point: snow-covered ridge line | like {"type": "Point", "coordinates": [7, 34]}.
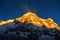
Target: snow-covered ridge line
{"type": "Point", "coordinates": [31, 17]}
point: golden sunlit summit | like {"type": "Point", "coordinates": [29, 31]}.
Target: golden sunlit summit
{"type": "Point", "coordinates": [31, 17]}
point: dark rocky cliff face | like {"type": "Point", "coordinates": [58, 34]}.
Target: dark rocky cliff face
{"type": "Point", "coordinates": [24, 31]}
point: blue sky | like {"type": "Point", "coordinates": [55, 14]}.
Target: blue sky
{"type": "Point", "coordinates": [10, 9]}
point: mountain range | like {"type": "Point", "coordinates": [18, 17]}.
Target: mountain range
{"type": "Point", "coordinates": [29, 27]}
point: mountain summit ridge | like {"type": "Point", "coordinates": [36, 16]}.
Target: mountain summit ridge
{"type": "Point", "coordinates": [31, 17]}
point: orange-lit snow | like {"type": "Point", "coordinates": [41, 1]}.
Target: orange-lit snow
{"type": "Point", "coordinates": [6, 22]}
{"type": "Point", "coordinates": [31, 17]}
